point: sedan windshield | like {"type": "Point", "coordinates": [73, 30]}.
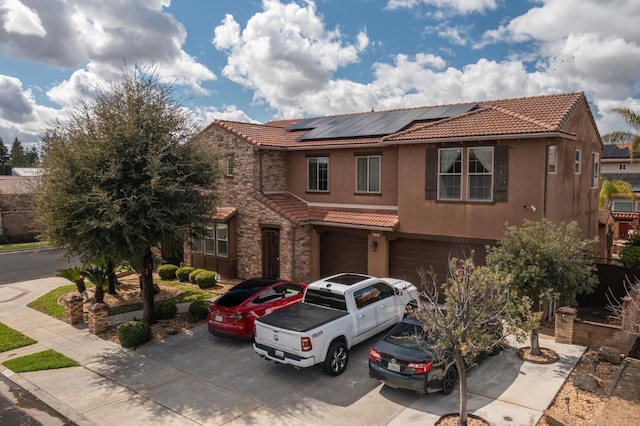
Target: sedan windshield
{"type": "Point", "coordinates": [410, 336]}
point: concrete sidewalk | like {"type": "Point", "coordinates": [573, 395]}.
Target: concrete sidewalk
{"type": "Point", "coordinates": [196, 379]}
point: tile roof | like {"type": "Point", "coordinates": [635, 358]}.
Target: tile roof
{"type": "Point", "coordinates": [299, 212]}
{"type": "Point", "coordinates": [518, 116]}
{"type": "Point", "coordinates": [224, 213]}
{"type": "Point", "coordinates": [625, 215]}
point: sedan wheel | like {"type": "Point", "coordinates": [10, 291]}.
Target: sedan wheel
{"type": "Point", "coordinates": [337, 358]}
{"type": "Point", "coordinates": [449, 380]}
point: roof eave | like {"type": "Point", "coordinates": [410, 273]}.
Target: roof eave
{"type": "Point", "coordinates": [350, 225]}
{"type": "Point", "coordinates": [484, 138]}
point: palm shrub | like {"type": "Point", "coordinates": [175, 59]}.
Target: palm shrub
{"type": "Point", "coordinates": [73, 274]}
{"type": "Point", "coordinates": [183, 273]}
{"type": "Point", "coordinates": [165, 310]}
{"type": "Point", "coordinates": [194, 274]}
{"type": "Point", "coordinates": [134, 333]}
{"type": "Point", "coordinates": [198, 310]}
{"type": "Point", "coordinates": [167, 272]}
{"type": "Point", "coordinates": [97, 274]}
{"type": "Point", "coordinates": [206, 279]}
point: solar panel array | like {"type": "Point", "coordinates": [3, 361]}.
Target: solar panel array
{"type": "Point", "coordinates": [374, 123]}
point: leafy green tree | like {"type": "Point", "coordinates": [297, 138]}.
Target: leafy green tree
{"type": "Point", "coordinates": [614, 188]}
{"type": "Point", "coordinates": [547, 262]}
{"type": "Point", "coordinates": [126, 172]}
{"type": "Point", "coordinates": [469, 316]}
{"type": "Point", "coordinates": [17, 157]}
{"type": "Point", "coordinates": [32, 156]}
{"type": "Point", "coordinates": [630, 252]}
{"type": "Point", "coordinates": [626, 137]}
{"type": "Point", "coordinates": [4, 156]}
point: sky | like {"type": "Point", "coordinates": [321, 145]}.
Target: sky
{"type": "Point", "coordinates": [255, 61]}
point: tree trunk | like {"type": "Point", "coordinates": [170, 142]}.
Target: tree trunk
{"type": "Point", "coordinates": [99, 294]}
{"type": "Point", "coordinates": [462, 375]}
{"type": "Point", "coordinates": [534, 343]}
{"type": "Point", "coordinates": [146, 280]}
{"type": "Point", "coordinates": [81, 286]}
{"type": "Point", "coordinates": [111, 276]}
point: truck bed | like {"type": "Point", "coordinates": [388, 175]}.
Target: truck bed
{"type": "Point", "coordinates": [301, 317]}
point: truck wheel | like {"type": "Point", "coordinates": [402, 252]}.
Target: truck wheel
{"type": "Point", "coordinates": [336, 359]}
{"type": "Point", "coordinates": [449, 380]}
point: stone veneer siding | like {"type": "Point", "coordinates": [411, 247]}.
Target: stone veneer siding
{"type": "Point", "coordinates": [257, 171]}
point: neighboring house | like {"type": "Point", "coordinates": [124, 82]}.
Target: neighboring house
{"type": "Point", "coordinates": [16, 207]}
{"type": "Point", "coordinates": [617, 165]}
{"type": "Point", "coordinates": [606, 233]}
{"type": "Point", "coordinates": [388, 192]}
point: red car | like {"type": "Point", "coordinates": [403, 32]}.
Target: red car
{"type": "Point", "coordinates": [233, 313]}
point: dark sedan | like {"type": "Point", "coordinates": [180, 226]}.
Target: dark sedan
{"type": "Point", "coordinates": [398, 361]}
{"type": "Point", "coordinates": [233, 314]}
{"type": "Point", "coordinates": [401, 359]}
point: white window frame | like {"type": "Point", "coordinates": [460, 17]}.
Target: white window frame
{"type": "Point", "coordinates": [577, 168]}
{"type": "Point", "coordinates": [552, 160]}
{"type": "Point", "coordinates": [372, 183]}
{"type": "Point", "coordinates": [445, 174]}
{"type": "Point", "coordinates": [213, 240]}
{"type": "Point", "coordinates": [595, 170]}
{"type": "Point", "coordinates": [318, 160]}
{"type": "Point", "coordinates": [488, 173]}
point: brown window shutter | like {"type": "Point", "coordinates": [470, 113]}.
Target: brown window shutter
{"type": "Point", "coordinates": [431, 184]}
{"type": "Point", "coordinates": [501, 173]}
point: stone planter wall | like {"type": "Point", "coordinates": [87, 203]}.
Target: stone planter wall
{"type": "Point", "coordinates": [73, 309]}
{"type": "Point", "coordinates": [98, 318]}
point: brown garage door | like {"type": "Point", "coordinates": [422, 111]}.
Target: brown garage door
{"type": "Point", "coordinates": [343, 252]}
{"type": "Point", "coordinates": [407, 255]}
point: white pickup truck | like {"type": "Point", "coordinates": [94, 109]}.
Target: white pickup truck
{"type": "Point", "coordinates": [336, 313]}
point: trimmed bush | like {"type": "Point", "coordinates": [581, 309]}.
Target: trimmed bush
{"type": "Point", "coordinates": [194, 274]}
{"type": "Point", "coordinates": [206, 279]}
{"type": "Point", "coordinates": [198, 310]}
{"type": "Point", "coordinates": [134, 333]}
{"type": "Point", "coordinates": [183, 273]}
{"type": "Point", "coordinates": [167, 272]}
{"type": "Point", "coordinates": [165, 310]}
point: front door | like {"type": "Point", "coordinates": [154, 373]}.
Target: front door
{"type": "Point", "coordinates": [270, 252]}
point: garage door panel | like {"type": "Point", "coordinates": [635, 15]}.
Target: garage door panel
{"type": "Point", "coordinates": [342, 252]}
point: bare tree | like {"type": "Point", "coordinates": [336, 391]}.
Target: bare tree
{"type": "Point", "coordinates": [470, 315]}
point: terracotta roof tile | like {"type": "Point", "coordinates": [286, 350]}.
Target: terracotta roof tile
{"type": "Point", "coordinates": [518, 116]}
{"type": "Point", "coordinates": [625, 215]}
{"type": "Point", "coordinates": [299, 212]}
{"type": "Point", "coordinates": [224, 213]}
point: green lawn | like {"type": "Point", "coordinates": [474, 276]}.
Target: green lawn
{"type": "Point", "coordinates": [22, 246]}
{"type": "Point", "coordinates": [45, 360]}
{"type": "Point", "coordinates": [12, 339]}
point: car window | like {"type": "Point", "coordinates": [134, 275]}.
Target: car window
{"type": "Point", "coordinates": [371, 294]}
{"type": "Point", "coordinates": [288, 290]}
{"type": "Point", "coordinates": [236, 297]}
{"type": "Point", "coordinates": [266, 296]}
{"type": "Point", "coordinates": [409, 336]}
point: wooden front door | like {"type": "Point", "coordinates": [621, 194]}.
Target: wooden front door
{"type": "Point", "coordinates": [271, 252]}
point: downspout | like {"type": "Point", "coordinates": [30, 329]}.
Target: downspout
{"type": "Point", "coordinates": [546, 175]}
{"type": "Point", "coordinates": [293, 253]}
{"type": "Point", "coordinates": [260, 171]}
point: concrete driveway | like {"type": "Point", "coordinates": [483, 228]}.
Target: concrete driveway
{"type": "Point", "coordinates": [198, 379]}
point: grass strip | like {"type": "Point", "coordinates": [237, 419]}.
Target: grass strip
{"type": "Point", "coordinates": [45, 360]}
{"type": "Point", "coordinates": [12, 339]}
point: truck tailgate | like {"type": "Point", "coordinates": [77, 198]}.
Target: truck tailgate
{"type": "Point", "coordinates": [301, 317]}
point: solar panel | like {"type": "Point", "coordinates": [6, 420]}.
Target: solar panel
{"type": "Point", "coordinates": [374, 123]}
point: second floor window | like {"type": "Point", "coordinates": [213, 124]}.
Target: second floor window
{"type": "Point", "coordinates": [595, 169]}
{"type": "Point", "coordinates": [229, 166]}
{"type": "Point", "coordinates": [318, 173]}
{"type": "Point", "coordinates": [368, 173]}
{"type": "Point", "coordinates": [552, 162]}
{"type": "Point", "coordinates": [578, 163]}
{"type": "Point", "coordinates": [472, 174]}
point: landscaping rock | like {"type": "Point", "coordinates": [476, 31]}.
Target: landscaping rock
{"type": "Point", "coordinates": [586, 382]}
{"type": "Point", "coordinates": [171, 331]}
{"type": "Point", "coordinates": [608, 354]}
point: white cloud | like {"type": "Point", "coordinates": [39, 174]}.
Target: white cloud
{"type": "Point", "coordinates": [460, 6]}
{"type": "Point", "coordinates": [21, 19]}
{"type": "Point", "coordinates": [284, 53]}
{"type": "Point", "coordinates": [457, 35]}
{"type": "Point", "coordinates": [206, 115]}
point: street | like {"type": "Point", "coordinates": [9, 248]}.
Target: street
{"type": "Point", "coordinates": [32, 264]}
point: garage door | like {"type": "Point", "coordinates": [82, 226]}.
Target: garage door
{"type": "Point", "coordinates": [407, 255]}
{"type": "Point", "coordinates": [343, 252]}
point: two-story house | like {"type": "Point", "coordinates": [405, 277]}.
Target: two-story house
{"type": "Point", "coordinates": [387, 192]}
